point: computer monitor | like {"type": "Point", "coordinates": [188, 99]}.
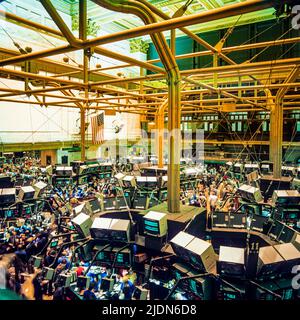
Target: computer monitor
{"type": "Point", "coordinates": [123, 203]}
{"type": "Point", "coordinates": [123, 258]}
{"type": "Point", "coordinates": [109, 204]}
{"type": "Point", "coordinates": [26, 193]}
{"type": "Point", "coordinates": [54, 244]}
{"type": "Point", "coordinates": [7, 196]}
{"type": "Point", "coordinates": [64, 280]}
{"type": "Point", "coordinates": [287, 234]}
{"type": "Point", "coordinates": [126, 194]}
{"type": "Point", "coordinates": [141, 181]}
{"type": "Point", "coordinates": [250, 209]}
{"type": "Point", "coordinates": [152, 182]}
{"type": "Point", "coordinates": [104, 256]}
{"type": "Point", "coordinates": [275, 230]}
{"type": "Point", "coordinates": [140, 293]}
{"type": "Point", "coordinates": [107, 284]}
{"type": "Point", "coordinates": [83, 282]}
{"type": "Point", "coordinates": [95, 205]}
{"type": "Point", "coordinates": [27, 209]}
{"type": "Point", "coordinates": [129, 182]}
{"type": "Point", "coordinates": [163, 195]}
{"type": "Point", "coordinates": [266, 211]}
{"type": "Point", "coordinates": [193, 286]}
{"type": "Point", "coordinates": [19, 183]}
{"type": "Point", "coordinates": [8, 213]}
{"type": "Point", "coordinates": [37, 261]}
{"type": "Point", "coordinates": [5, 182]}
{"type": "Point", "coordinates": [48, 273]}
{"type": "Point", "coordinates": [141, 201]}
{"type": "Point", "coordinates": [155, 223]}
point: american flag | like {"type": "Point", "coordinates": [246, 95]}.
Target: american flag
{"type": "Point", "coordinates": [97, 123]}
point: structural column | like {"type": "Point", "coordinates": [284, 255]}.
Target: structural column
{"type": "Point", "coordinates": [160, 138]}
{"type": "Point", "coordinates": [276, 121]}
{"type": "Point", "coordinates": [174, 115]}
{"type": "Point", "coordinates": [276, 135]}
{"type": "Point", "coordinates": [83, 36]}
{"type": "Point", "coordinates": [82, 132]}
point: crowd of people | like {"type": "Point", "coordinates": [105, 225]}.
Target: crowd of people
{"type": "Point", "coordinates": [212, 191]}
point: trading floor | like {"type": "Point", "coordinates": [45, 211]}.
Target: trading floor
{"type": "Point", "coordinates": [149, 150]}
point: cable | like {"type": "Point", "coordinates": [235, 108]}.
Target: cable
{"type": "Point", "coordinates": [264, 49]}
{"type": "Point", "coordinates": [264, 31]}
{"type": "Point", "coordinates": [74, 61]}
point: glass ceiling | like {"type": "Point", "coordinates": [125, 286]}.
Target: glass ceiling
{"type": "Point", "coordinates": [118, 21]}
{"type": "Point", "coordinates": [108, 21]}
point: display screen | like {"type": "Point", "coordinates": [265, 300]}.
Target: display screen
{"type": "Point", "coordinates": [193, 285]}
{"type": "Point", "coordinates": [19, 182]}
{"type": "Point", "coordinates": [105, 284]}
{"type": "Point", "coordinates": [286, 235]}
{"type": "Point", "coordinates": [95, 205]}
{"type": "Point", "coordinates": [54, 244]}
{"type": "Point", "coordinates": [27, 210]}
{"type": "Point", "coordinates": [151, 226]}
{"type": "Point", "coordinates": [9, 213]}
{"type": "Point", "coordinates": [103, 256]}
{"type": "Point", "coordinates": [109, 203]}
{"type": "Point", "coordinates": [163, 195]}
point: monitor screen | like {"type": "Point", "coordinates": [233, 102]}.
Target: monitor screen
{"type": "Point", "coordinates": [27, 209]}
{"type": "Point", "coordinates": [292, 215]}
{"type": "Point", "coordinates": [54, 244]}
{"type": "Point", "coordinates": [123, 259]}
{"type": "Point", "coordinates": [106, 284]}
{"type": "Point", "coordinates": [249, 209]}
{"type": "Point", "coordinates": [178, 275]}
{"type": "Point", "coordinates": [28, 195]}
{"type": "Point", "coordinates": [5, 182]}
{"type": "Point", "coordinates": [193, 286]}
{"type": "Point", "coordinates": [137, 293]}
{"type": "Point", "coordinates": [19, 183]}
{"type": "Point", "coordinates": [275, 230]}
{"type": "Point", "coordinates": [151, 226]}
{"type": "Point", "coordinates": [287, 234]}
{"type": "Point", "coordinates": [95, 205]}
{"type": "Point", "coordinates": [266, 212]}
{"type": "Point", "coordinates": [163, 195]}
{"type": "Point", "coordinates": [9, 213]}
{"type": "Point", "coordinates": [103, 256]}
{"type": "Point", "coordinates": [109, 203]}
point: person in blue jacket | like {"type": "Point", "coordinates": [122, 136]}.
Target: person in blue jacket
{"type": "Point", "coordinates": [127, 288]}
